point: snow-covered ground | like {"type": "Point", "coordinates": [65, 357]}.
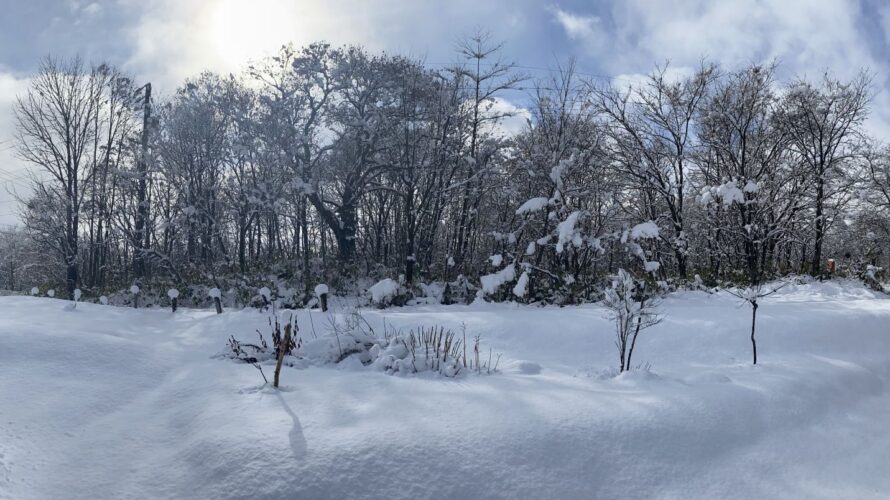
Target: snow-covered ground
{"type": "Point", "coordinates": [105, 402]}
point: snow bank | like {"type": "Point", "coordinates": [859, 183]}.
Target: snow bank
{"type": "Point", "coordinates": [143, 411]}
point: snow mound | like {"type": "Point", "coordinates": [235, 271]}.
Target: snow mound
{"type": "Point", "coordinates": [384, 290]}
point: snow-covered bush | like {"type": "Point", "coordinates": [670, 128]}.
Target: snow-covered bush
{"type": "Point", "coordinates": [491, 283]}
{"type": "Point", "coordinates": [872, 277]}
{"type": "Point", "coordinates": [351, 342]}
{"type": "Point", "coordinates": [283, 346]}
{"type": "Point", "coordinates": [387, 292]}
{"type": "Point", "coordinates": [633, 307]}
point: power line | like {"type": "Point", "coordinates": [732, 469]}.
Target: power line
{"type": "Point", "coordinates": [541, 68]}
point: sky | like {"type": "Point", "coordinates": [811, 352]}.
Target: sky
{"type": "Point", "coordinates": [166, 41]}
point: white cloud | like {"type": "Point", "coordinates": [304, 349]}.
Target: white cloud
{"type": "Point", "coordinates": [806, 37]}
{"type": "Point", "coordinates": [175, 39]}
{"type": "Point", "coordinates": [576, 26]}
{"type": "Point", "coordinates": [517, 120]}
{"type": "Point", "coordinates": [12, 170]}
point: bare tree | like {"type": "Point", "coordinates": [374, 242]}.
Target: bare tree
{"type": "Point", "coordinates": [823, 124]}
{"type": "Point", "coordinates": [55, 129]}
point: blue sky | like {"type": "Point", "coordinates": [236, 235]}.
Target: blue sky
{"type": "Point", "coordinates": [164, 41]}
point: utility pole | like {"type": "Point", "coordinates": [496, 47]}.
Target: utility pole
{"type": "Point", "coordinates": [141, 238]}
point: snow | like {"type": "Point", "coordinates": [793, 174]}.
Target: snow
{"type": "Point", "coordinates": [214, 293]}
{"type": "Point", "coordinates": [173, 293]}
{"type": "Point", "coordinates": [265, 293]}
{"type": "Point", "coordinates": [384, 290]}
{"type": "Point", "coordinates": [567, 233]}
{"type": "Point", "coordinates": [134, 290]}
{"type": "Point", "coordinates": [496, 260]}
{"type": "Point", "coordinates": [651, 266]}
{"type": "Point", "coordinates": [521, 287]}
{"type": "Point", "coordinates": [530, 249]}
{"type": "Point", "coordinates": [727, 192]}
{"type": "Point", "coordinates": [533, 205]}
{"type": "Point", "coordinates": [77, 294]}
{"type": "Point", "coordinates": [730, 193]}
{"type": "Point", "coordinates": [492, 282]}
{"type": "Point", "coordinates": [129, 403]}
{"type": "Point", "coordinates": [646, 230]}
{"type": "Point", "coordinates": [321, 289]}
{"type": "Point", "coordinates": [51, 293]}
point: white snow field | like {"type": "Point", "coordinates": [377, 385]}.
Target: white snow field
{"type": "Point", "coordinates": [106, 402]}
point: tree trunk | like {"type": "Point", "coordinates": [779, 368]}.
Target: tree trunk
{"type": "Point", "coordinates": [816, 265]}
{"type": "Point", "coordinates": [753, 325]}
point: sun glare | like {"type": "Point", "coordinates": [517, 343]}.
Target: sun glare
{"type": "Point", "coordinates": [244, 30]}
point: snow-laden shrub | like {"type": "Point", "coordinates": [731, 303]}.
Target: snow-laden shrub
{"type": "Point", "coordinates": [351, 342]}
{"type": "Point", "coordinates": [872, 277]}
{"type": "Point", "coordinates": [283, 346]}
{"type": "Point", "coordinates": [387, 292]}
{"type": "Point", "coordinates": [632, 306]}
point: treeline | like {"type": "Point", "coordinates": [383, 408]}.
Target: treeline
{"type": "Point", "coordinates": [337, 165]}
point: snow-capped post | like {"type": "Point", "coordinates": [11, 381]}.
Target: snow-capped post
{"type": "Point", "coordinates": [35, 291]}
{"type": "Point", "coordinates": [51, 293]}
{"type": "Point", "coordinates": [135, 291]}
{"type": "Point", "coordinates": [77, 295]}
{"type": "Point", "coordinates": [321, 291]}
{"type": "Point", "coordinates": [266, 294]}
{"type": "Point", "coordinates": [215, 294]}
{"type": "Point", "coordinates": [174, 298]}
